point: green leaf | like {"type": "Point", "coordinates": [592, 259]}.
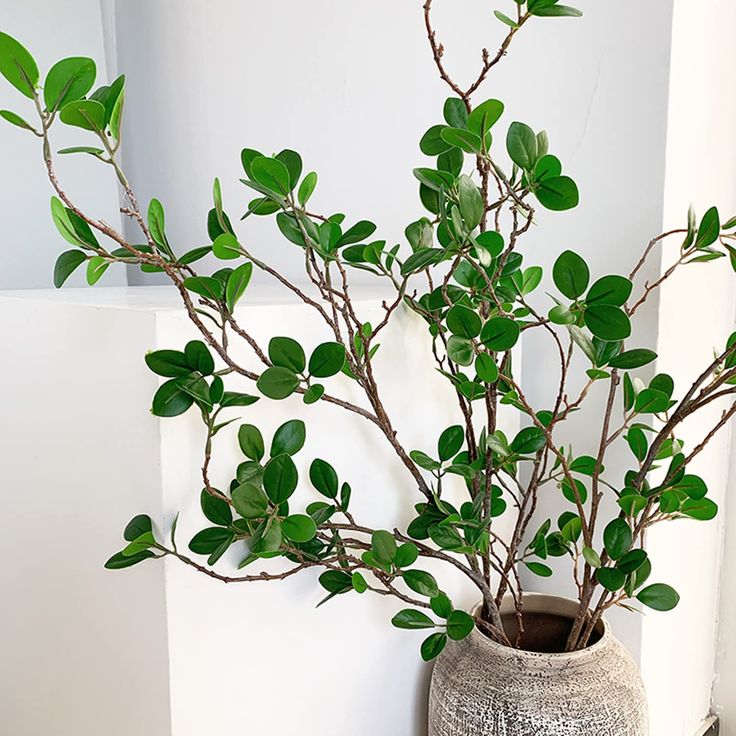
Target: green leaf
{"type": "Point", "coordinates": [450, 442]}
{"type": "Point", "coordinates": [505, 19]}
{"type": "Point", "coordinates": [459, 625]}
{"type": "Point", "coordinates": [592, 557]}
{"type": "Point", "coordinates": [280, 478]}
{"type": "Point", "coordinates": [96, 267]}
{"type": "Point", "coordinates": [543, 571]}
{"type": "Point", "coordinates": [289, 438]}
{"type": "Point", "coordinates": [446, 537]}
{"type": "Point", "coordinates": [197, 388]}
{"type": "Point", "coordinates": [277, 383]}
{"type": "Point", "coordinates": [199, 358]}
{"type": "Point", "coordinates": [701, 509]}
{"type": "Point", "coordinates": [484, 117]}
{"type": "Point", "coordinates": [633, 359]}
{"type": "Point", "coordinates": [357, 233]}
{"type": "Point", "coordinates": [651, 401]}
{"type": "Point", "coordinates": [383, 545]}
{"type": "Point", "coordinates": [528, 441]}
{"type": "Point", "coordinates": [271, 173]}
{"type": "Point", "coordinates": [237, 283]}
{"type": "Point", "coordinates": [67, 80]}
{"type": "Point", "coordinates": [170, 400]}
{"type": "Point", "coordinates": [607, 322]}
{"type": "Point", "coordinates": [412, 619]}
{"type": "Point", "coordinates": [406, 555]}
{"type": "Point", "coordinates": [558, 11]}
{"type": "Point", "coordinates": [287, 353]}
{"type": "Point", "coordinates": [249, 501]}
{"type": "Point", "coordinates": [610, 290]}
{"type": "Point", "coordinates": [463, 321]}
{"type": "Point", "coordinates": [558, 193]}
{"type": "Point", "coordinates": [86, 114]}
{"type": "Point", "coordinates": [119, 561]}
{"type": "Point", "coordinates": [709, 229]}
{"type": "Point", "coordinates": [617, 538]}
{"type": "Point", "coordinates": [139, 545]}
{"type": "Point", "coordinates": [422, 259]}
{"type": "Point", "coordinates": [610, 578]}
{"type": "Point", "coordinates": [692, 485]}
{"type": "Point", "coordinates": [433, 645]}
{"type": "Point", "coordinates": [336, 581]}
{"type": "Point", "coordinates": [521, 143]}
{"type": "Point", "coordinates": [314, 393]}
{"type": "Point", "coordinates": [424, 461]}
{"type": "Point", "coordinates": [460, 350]}
{"type": "Point", "coordinates": [486, 368]}
{"type": "Point", "coordinates": [208, 540]}
{"type": "Point", "coordinates": [324, 478]}
{"type": "Point", "coordinates": [66, 264]}
{"type": "Point", "coordinates": [250, 440]}
{"type": "Point", "coordinates": [571, 274]}
{"type": "Point", "coordinates": [307, 187]}
{"type": "Point", "coordinates": [432, 143]}
{"type": "Point", "coordinates": [637, 442]}
{"type": "Point", "coordinates": [455, 113]}
{"type": "Point", "coordinates": [632, 561]}
{"type": "Point", "coordinates": [327, 360]}
{"type": "Point", "coordinates": [168, 363]}
{"type": "Point", "coordinates": [299, 528]}
{"type": "Point", "coordinates": [659, 596]}
{"type": "Point", "coordinates": [226, 247]}
{"type": "Point", "coordinates": [17, 65]}
{"type": "Point", "coordinates": [17, 120]}
{"type": "Point", "coordinates": [293, 162]}
{"type": "Point", "coordinates": [137, 526]}
{"type": "Point", "coordinates": [421, 582]}
{"type": "Point", "coordinates": [471, 202]}
{"type": "Point", "coordinates": [462, 139]}
{"type": "Point", "coordinates": [500, 334]}
{"type": "Point", "coordinates": [441, 605]}
{"type": "Point", "coordinates": [215, 509]}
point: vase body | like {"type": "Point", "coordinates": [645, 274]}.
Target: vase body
{"type": "Point", "coordinates": [480, 688]}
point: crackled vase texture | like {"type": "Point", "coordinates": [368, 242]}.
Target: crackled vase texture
{"type": "Point", "coordinates": [480, 688]}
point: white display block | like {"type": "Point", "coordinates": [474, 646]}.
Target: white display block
{"type": "Point", "coordinates": [159, 649]}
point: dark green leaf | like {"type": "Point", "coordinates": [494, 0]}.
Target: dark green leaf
{"type": "Point", "coordinates": [199, 358]}
{"type": "Point", "coordinates": [327, 360]}
{"type": "Point", "coordinates": [484, 117]}
{"type": "Point", "coordinates": [406, 555]}
{"type": "Point", "coordinates": [357, 233]}
{"type": "Point", "coordinates": [632, 561]}
{"type": "Point", "coordinates": [215, 509]}
{"type": "Point", "coordinates": [432, 143]}
{"type": "Point", "coordinates": [660, 597]}
{"type": "Point", "coordinates": [571, 274]}
{"type": "Point", "coordinates": [299, 528]}
{"type": "Point", "coordinates": [702, 509]}
{"type": "Point", "coordinates": [610, 290]}
{"type": "Point", "coordinates": [119, 561]}
{"type": "Point", "coordinates": [237, 283]}
{"type": "Point", "coordinates": [421, 582]}
{"type": "Point", "coordinates": [170, 400]}
{"type": "Point", "coordinates": [277, 383]}
{"type": "Point", "coordinates": [324, 478]}
{"type": "Point", "coordinates": [610, 578]}
{"type": "Point", "coordinates": [450, 442]}
{"type": "Point", "coordinates": [383, 545]}
{"type": "Point", "coordinates": [471, 202]}
{"type": "Point", "coordinates": [293, 162]}
{"type": "Point", "coordinates": [433, 645]}
{"type": "Point", "coordinates": [137, 526]}
{"type": "Point", "coordinates": [206, 286]}
{"type": "Point", "coordinates": [486, 368]}
{"type": "Point", "coordinates": [463, 321]}
{"type": "Point", "coordinates": [251, 442]}
{"type": "Point", "coordinates": [521, 143]}
{"type": "Point", "coordinates": [421, 260]}
{"type": "Point", "coordinates": [543, 571]}
{"type": "Point", "coordinates": [271, 174]}
{"type": "Point", "coordinates": [617, 538]}
{"type": "Point", "coordinates": [633, 359]}
{"type": "Point", "coordinates": [411, 619]}
{"type": "Point", "coordinates": [336, 581]}
{"type": "Point", "coordinates": [306, 188]}
{"type": "Point", "coordinates": [249, 501]}
{"type": "Point", "coordinates": [558, 11]}
{"type": "Point", "coordinates": [460, 350]}
{"type": "Point", "coordinates": [208, 540]}
{"type": "Point", "coordinates": [287, 353]}
{"type": "Point", "coordinates": [280, 478]}
{"type": "Point", "coordinates": [709, 230]}
{"type": "Point", "coordinates": [607, 322]}
{"type": "Point", "coordinates": [289, 438]}
{"type": "Point", "coordinates": [459, 625]}
{"type": "Point", "coordinates": [66, 264]}
{"type": "Point", "coordinates": [558, 193]}
{"type": "Point", "coordinates": [528, 441]}
{"type": "Point", "coordinates": [462, 139]}
{"type": "Point", "coordinates": [500, 333]}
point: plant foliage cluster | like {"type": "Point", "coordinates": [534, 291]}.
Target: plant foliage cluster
{"type": "Point", "coordinates": [462, 272]}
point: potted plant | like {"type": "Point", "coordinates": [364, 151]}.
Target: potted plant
{"type": "Point", "coordinates": [519, 663]}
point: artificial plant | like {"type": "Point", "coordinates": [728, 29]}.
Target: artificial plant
{"type": "Point", "coordinates": [462, 272]}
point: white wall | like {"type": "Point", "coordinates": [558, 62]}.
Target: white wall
{"type": "Point", "coordinates": [29, 242]}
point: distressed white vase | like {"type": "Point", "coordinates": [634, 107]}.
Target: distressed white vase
{"type": "Point", "coordinates": [480, 688]}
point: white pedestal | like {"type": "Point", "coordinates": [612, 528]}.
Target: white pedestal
{"type": "Point", "coordinates": [159, 649]}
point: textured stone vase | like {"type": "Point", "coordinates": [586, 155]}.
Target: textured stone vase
{"type": "Point", "coordinates": [480, 688]}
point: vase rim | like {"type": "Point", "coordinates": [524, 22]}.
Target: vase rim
{"type": "Point", "coordinates": [547, 603]}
